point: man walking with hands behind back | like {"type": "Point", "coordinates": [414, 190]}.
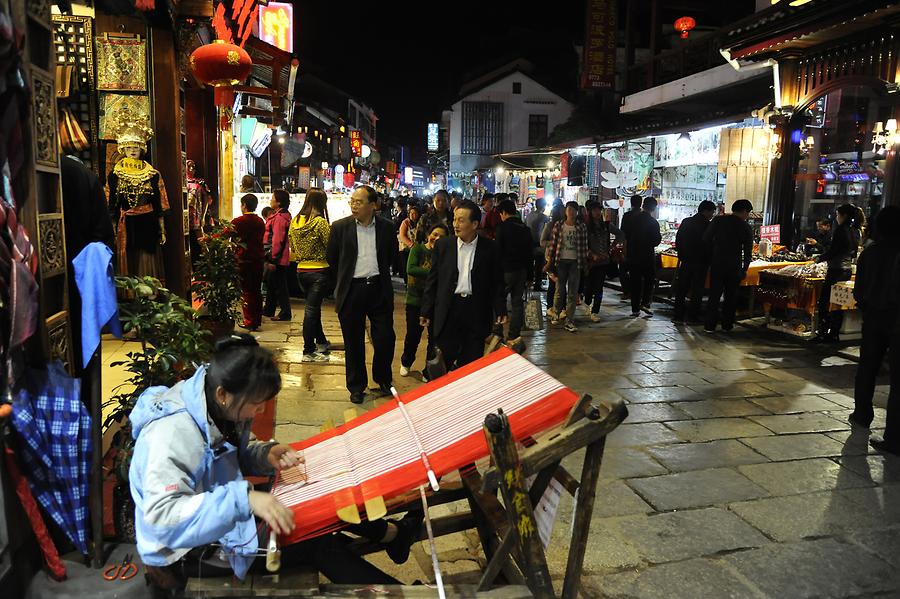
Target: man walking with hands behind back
{"type": "Point", "coordinates": [729, 241]}
{"type": "Point", "coordinates": [360, 252]}
{"type": "Point", "coordinates": [464, 289]}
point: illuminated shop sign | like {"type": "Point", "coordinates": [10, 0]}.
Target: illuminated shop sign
{"type": "Point", "coordinates": [433, 137]}
{"type": "Point", "coordinates": [276, 25]}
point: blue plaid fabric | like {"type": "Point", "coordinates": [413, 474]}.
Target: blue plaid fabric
{"type": "Point", "coordinates": [55, 449]}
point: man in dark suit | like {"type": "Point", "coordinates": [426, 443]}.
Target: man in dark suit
{"type": "Point", "coordinates": [464, 289]}
{"type": "Point", "coordinates": [640, 256]}
{"type": "Point", "coordinates": [729, 241]}
{"type": "Point", "coordinates": [360, 252]}
{"type": "Point", "coordinates": [693, 262]}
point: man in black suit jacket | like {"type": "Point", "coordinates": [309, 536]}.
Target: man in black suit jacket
{"type": "Point", "coordinates": [464, 289]}
{"type": "Point", "coordinates": [360, 252]}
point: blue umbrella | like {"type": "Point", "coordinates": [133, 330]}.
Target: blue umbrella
{"type": "Point", "coordinates": [55, 430]}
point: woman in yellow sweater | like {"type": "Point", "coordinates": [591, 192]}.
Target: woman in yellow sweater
{"type": "Point", "coordinates": [309, 233]}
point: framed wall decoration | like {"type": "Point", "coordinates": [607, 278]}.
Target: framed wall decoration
{"type": "Point", "coordinates": [113, 104]}
{"type": "Point", "coordinates": [121, 64]}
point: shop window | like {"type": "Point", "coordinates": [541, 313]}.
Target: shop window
{"type": "Point", "coordinates": [838, 163]}
{"type": "Point", "coordinates": [517, 87]}
{"type": "Point", "coordinates": [537, 129]}
{"type": "Point", "coordinates": [482, 128]}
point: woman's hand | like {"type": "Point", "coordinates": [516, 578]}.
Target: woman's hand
{"type": "Point", "coordinates": [267, 508]}
{"type": "Point", "coordinates": [284, 456]}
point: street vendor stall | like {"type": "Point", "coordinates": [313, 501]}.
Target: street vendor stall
{"type": "Point", "coordinates": [794, 287]}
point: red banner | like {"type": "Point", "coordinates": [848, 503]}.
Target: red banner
{"type": "Point", "coordinates": [356, 143]}
{"type": "Point", "coordinates": [598, 69]}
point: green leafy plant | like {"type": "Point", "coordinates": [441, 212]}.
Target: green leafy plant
{"type": "Point", "coordinates": [172, 346]}
{"type": "Point", "coordinates": [217, 281]}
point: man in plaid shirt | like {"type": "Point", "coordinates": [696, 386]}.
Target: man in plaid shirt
{"type": "Point", "coordinates": [567, 255]}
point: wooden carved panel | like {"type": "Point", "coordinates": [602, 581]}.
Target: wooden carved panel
{"type": "Point", "coordinates": [46, 148]}
{"type": "Point", "coordinates": [39, 10]}
{"type": "Point", "coordinates": [185, 221]}
{"type": "Point", "coordinates": [52, 244]}
{"type": "Point", "coordinates": [872, 57]}
{"type": "Point", "coordinates": [58, 335]}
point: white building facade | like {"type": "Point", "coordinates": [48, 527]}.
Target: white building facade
{"type": "Point", "coordinates": [501, 113]}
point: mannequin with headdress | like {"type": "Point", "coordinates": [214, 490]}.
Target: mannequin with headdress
{"type": "Point", "coordinates": [137, 202]}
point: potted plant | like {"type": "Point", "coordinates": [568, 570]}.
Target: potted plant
{"type": "Point", "coordinates": [172, 345]}
{"type": "Point", "coordinates": [217, 281]}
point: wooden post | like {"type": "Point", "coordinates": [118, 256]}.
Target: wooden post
{"type": "Point", "coordinates": [582, 524]}
{"type": "Point", "coordinates": [519, 509]}
{"type": "Point", "coordinates": [94, 405]}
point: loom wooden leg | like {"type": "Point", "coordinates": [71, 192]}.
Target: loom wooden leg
{"type": "Point", "coordinates": [519, 509]}
{"type": "Point", "coordinates": [496, 563]}
{"type": "Point", "coordinates": [489, 522]}
{"type": "Point", "coordinates": [583, 510]}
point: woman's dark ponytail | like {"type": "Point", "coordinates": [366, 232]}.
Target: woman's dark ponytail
{"type": "Point", "coordinates": [244, 369]}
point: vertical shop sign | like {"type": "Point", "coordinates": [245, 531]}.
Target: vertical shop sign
{"type": "Point", "coordinates": [598, 69]}
{"type": "Point", "coordinates": [433, 137]}
{"type": "Point", "coordinates": [303, 177]}
{"type": "Point", "coordinates": [276, 25]}
{"type": "Point", "coordinates": [356, 143]}
{"type": "Point", "coordinates": [236, 25]}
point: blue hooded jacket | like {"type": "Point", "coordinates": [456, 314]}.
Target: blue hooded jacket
{"type": "Point", "coordinates": [186, 480]}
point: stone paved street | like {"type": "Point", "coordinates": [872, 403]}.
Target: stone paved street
{"type": "Point", "coordinates": [735, 475]}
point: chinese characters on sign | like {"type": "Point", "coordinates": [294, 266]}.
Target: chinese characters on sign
{"type": "Point", "coordinates": [235, 28]}
{"type": "Point", "coordinates": [356, 143]}
{"type": "Point", "coordinates": [771, 232]}
{"type": "Point", "coordinates": [432, 137]}
{"type": "Point", "coordinates": [276, 25]}
{"type": "Point", "coordinates": [599, 64]}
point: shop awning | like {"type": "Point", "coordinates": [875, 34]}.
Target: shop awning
{"type": "Point", "coordinates": [783, 26]}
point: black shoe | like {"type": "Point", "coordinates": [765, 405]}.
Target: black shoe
{"type": "Point", "coordinates": [709, 329]}
{"type": "Point", "coordinates": [885, 446]}
{"type": "Point", "coordinates": [856, 421]}
{"type": "Point", "coordinates": [728, 328]}
{"type": "Point", "coordinates": [407, 529]}
{"type": "Point", "coordinates": [384, 390]}
{"type": "Point", "coordinates": [358, 397]}
{"type": "Point", "coordinates": [281, 318]}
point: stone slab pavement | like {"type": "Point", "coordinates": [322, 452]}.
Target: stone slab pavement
{"type": "Point", "coordinates": [735, 475]}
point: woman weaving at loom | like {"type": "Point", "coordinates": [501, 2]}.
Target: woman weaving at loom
{"type": "Point", "coordinates": [194, 512]}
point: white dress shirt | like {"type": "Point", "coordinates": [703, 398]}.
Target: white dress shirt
{"type": "Point", "coordinates": [367, 256]}
{"type": "Point", "coordinates": [465, 258]}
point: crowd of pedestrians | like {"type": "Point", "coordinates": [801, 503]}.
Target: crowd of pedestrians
{"type": "Point", "coordinates": [468, 268]}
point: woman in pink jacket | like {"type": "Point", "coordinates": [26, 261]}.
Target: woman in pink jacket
{"type": "Point", "coordinates": [278, 257]}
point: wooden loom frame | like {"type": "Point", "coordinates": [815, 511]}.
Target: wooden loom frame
{"type": "Point", "coordinates": [508, 536]}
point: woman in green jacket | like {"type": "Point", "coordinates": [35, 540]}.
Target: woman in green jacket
{"type": "Point", "coordinates": [417, 267]}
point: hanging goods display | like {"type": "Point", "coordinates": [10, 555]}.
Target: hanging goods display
{"type": "Point", "coordinates": [433, 430]}
{"type": "Point", "coordinates": [222, 66]}
{"type": "Point", "coordinates": [121, 63]}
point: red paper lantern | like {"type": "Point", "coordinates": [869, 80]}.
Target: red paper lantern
{"type": "Point", "coordinates": [685, 24]}
{"type": "Point", "coordinates": [220, 64]}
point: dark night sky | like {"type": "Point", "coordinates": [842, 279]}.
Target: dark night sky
{"type": "Point", "coordinates": [407, 60]}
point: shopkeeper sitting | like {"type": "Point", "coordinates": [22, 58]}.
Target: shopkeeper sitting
{"type": "Point", "coordinates": [194, 512]}
{"type": "Point", "coordinates": [820, 243]}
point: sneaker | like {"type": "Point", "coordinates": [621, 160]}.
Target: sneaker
{"type": "Point", "coordinates": [551, 314]}
{"type": "Point", "coordinates": [635, 314]}
{"type": "Point", "coordinates": [646, 310]}
{"type": "Point", "coordinates": [595, 317]}
{"type": "Point", "coordinates": [404, 371]}
{"type": "Point", "coordinates": [323, 348]}
{"type": "Point", "coordinates": [570, 327]}
{"type": "Point", "coordinates": [315, 357]}
{"type": "Point", "coordinates": [562, 315]}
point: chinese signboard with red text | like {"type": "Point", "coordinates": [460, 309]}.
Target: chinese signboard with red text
{"type": "Point", "coordinates": [356, 143]}
{"type": "Point", "coordinates": [771, 232]}
{"type": "Point", "coordinates": [599, 64]}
